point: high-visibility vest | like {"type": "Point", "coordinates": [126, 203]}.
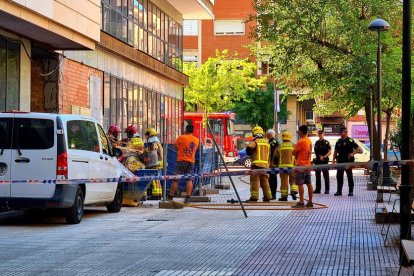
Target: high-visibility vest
{"type": "Point", "coordinates": [260, 157]}
{"type": "Point", "coordinates": [286, 158]}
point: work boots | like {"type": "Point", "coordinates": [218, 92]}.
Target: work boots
{"type": "Point", "coordinates": [283, 199]}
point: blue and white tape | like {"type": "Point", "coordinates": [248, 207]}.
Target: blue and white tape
{"type": "Point", "coordinates": [374, 165]}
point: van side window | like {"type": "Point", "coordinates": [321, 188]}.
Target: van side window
{"type": "Point", "coordinates": [104, 141]}
{"type": "Point", "coordinates": [82, 135]}
{"type": "Point", "coordinates": [33, 133]}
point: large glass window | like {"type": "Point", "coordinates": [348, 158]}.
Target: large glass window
{"type": "Point", "coordinates": [9, 75]}
{"type": "Point", "coordinates": [126, 103]}
{"type": "Point", "coordinates": [146, 27]}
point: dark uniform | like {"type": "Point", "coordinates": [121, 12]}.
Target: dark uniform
{"type": "Point", "coordinates": [273, 164]}
{"type": "Point", "coordinates": [343, 148]}
{"type": "Point", "coordinates": [322, 147]}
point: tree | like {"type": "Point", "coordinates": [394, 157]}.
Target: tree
{"type": "Point", "coordinates": [326, 47]}
{"type": "Point", "coordinates": [219, 82]}
{"type": "Point", "coordinates": [257, 108]}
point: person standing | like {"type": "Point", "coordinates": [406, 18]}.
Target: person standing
{"type": "Point", "coordinates": [345, 150]}
{"type": "Point", "coordinates": [186, 146]}
{"type": "Point", "coordinates": [302, 152]}
{"type": "Point", "coordinates": [284, 153]}
{"type": "Point", "coordinates": [322, 152]}
{"type": "Point", "coordinates": [259, 150]}
{"type": "Point", "coordinates": [155, 153]}
{"type": "Point", "coordinates": [270, 135]}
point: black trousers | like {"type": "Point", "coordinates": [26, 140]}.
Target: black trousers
{"type": "Point", "coordinates": [273, 184]}
{"type": "Point", "coordinates": [340, 179]}
{"type": "Point", "coordinates": [318, 179]}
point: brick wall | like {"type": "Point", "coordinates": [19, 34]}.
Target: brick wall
{"type": "Point", "coordinates": [227, 9]}
{"type": "Point", "coordinates": [74, 86]}
{"type": "Point", "coordinates": [190, 42]}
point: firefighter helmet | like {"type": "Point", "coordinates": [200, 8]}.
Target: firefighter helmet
{"type": "Point", "coordinates": [257, 130]}
{"type": "Point", "coordinates": [131, 130]}
{"type": "Point", "coordinates": [151, 132]}
{"type": "Point", "coordinates": [286, 136]}
{"type": "Point", "coordinates": [114, 130]}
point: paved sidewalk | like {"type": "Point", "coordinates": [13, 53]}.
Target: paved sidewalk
{"type": "Point", "coordinates": [340, 240]}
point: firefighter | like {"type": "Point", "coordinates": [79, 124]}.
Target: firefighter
{"type": "Point", "coordinates": [130, 131]}
{"type": "Point", "coordinates": [155, 158]}
{"type": "Point", "coordinates": [113, 135]}
{"type": "Point", "coordinates": [259, 150]}
{"type": "Point", "coordinates": [286, 160]}
{"type": "Point", "coordinates": [274, 144]}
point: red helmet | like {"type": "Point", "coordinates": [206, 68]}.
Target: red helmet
{"type": "Point", "coordinates": [131, 130]}
{"type": "Point", "coordinates": [114, 130]}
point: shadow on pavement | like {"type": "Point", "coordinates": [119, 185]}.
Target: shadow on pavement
{"type": "Point", "coordinates": [40, 218]}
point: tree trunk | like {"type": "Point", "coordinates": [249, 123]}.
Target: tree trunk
{"type": "Point", "coordinates": [387, 133]}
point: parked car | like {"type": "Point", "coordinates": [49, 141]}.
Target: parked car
{"type": "Point", "coordinates": [244, 159]}
{"type": "Point", "coordinates": [360, 157]}
{"type": "Point", "coordinates": [40, 146]}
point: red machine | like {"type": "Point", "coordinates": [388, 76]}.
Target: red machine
{"type": "Point", "coordinates": [222, 125]}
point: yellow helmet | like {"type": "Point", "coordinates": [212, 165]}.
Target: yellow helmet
{"type": "Point", "coordinates": [286, 136]}
{"type": "Point", "coordinates": [257, 130]}
{"type": "Point", "coordinates": [151, 132]}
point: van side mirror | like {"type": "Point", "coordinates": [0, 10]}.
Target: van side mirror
{"type": "Point", "coordinates": [117, 152]}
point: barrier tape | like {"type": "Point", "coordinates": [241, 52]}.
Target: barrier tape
{"type": "Point", "coordinates": [374, 165]}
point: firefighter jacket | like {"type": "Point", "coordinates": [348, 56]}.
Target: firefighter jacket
{"type": "Point", "coordinates": [259, 149]}
{"type": "Point", "coordinates": [286, 158]}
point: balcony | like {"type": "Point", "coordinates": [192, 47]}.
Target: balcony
{"type": "Point", "coordinates": [194, 9]}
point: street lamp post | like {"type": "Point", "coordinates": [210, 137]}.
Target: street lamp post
{"type": "Point", "coordinates": [405, 188]}
{"type": "Point", "coordinates": [379, 25]}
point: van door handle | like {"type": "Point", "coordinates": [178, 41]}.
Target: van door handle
{"type": "Point", "coordinates": [22, 160]}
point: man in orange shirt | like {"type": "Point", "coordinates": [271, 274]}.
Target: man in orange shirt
{"type": "Point", "coordinates": [186, 146]}
{"type": "Point", "coordinates": [303, 151]}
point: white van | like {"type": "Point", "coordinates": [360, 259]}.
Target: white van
{"type": "Point", "coordinates": [359, 157]}
{"type": "Point", "coordinates": [43, 146]}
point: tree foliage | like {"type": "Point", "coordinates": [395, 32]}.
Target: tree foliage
{"type": "Point", "coordinates": [325, 46]}
{"type": "Point", "coordinates": [219, 82]}
{"type": "Point", "coordinates": [257, 108]}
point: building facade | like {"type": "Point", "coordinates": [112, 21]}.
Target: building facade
{"type": "Point", "coordinates": [231, 29]}
{"type": "Point", "coordinates": [119, 61]}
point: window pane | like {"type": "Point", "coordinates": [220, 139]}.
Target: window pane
{"type": "Point", "coordinates": [104, 141]}
{"type": "Point", "coordinates": [135, 105]}
{"type": "Point", "coordinates": [3, 75]}
{"type": "Point", "coordinates": [144, 110]}
{"type": "Point", "coordinates": [124, 101]}
{"type": "Point", "coordinates": [82, 136]}
{"type": "Point", "coordinates": [140, 110]}
{"type": "Point", "coordinates": [130, 113]}
{"type": "Point", "coordinates": [114, 106]}
{"type": "Point", "coordinates": [107, 102]}
{"type": "Point", "coordinates": [34, 134]}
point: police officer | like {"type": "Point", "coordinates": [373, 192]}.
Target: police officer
{"type": "Point", "coordinates": [259, 150]}
{"type": "Point", "coordinates": [270, 135]}
{"type": "Point", "coordinates": [322, 153]}
{"type": "Point", "coordinates": [345, 150]}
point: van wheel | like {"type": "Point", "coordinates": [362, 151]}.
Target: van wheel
{"type": "Point", "coordinates": [74, 214]}
{"type": "Point", "coordinates": [116, 205]}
